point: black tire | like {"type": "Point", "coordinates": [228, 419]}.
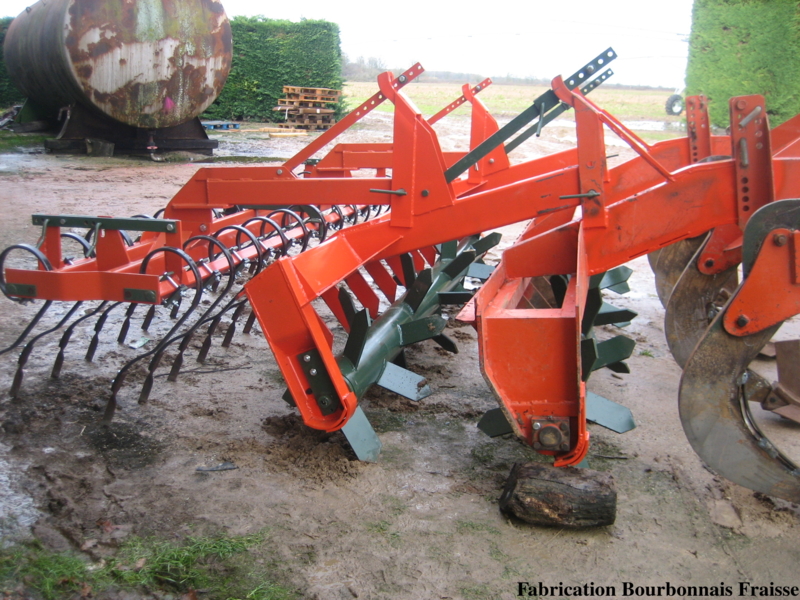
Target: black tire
{"type": "Point", "coordinates": [674, 105]}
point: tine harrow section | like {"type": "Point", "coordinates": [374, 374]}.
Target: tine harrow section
{"type": "Point", "coordinates": [352, 228]}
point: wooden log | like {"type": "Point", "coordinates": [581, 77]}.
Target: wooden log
{"type": "Point", "coordinates": [563, 497]}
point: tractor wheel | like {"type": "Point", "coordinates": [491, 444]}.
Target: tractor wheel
{"type": "Point", "coordinates": [674, 105]}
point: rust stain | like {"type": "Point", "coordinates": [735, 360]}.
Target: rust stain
{"type": "Point", "coordinates": [189, 57]}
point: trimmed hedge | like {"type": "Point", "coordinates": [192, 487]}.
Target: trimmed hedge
{"type": "Point", "coordinates": [9, 95]}
{"type": "Point", "coordinates": [269, 54]}
{"type": "Point", "coordinates": [740, 47]}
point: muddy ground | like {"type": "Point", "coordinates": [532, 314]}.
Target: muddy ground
{"type": "Point", "coordinates": [423, 522]}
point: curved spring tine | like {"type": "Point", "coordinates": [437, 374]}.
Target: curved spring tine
{"type": "Point", "coordinates": [123, 330]}
{"type": "Point", "coordinates": [365, 212]}
{"type": "Point", "coordinates": [90, 244]}
{"type": "Point", "coordinates": [232, 328]}
{"type": "Point", "coordinates": [98, 327]}
{"type": "Point", "coordinates": [340, 223]}
{"type": "Point", "coordinates": [62, 344]}
{"type": "Point", "coordinates": [87, 247]}
{"type": "Point", "coordinates": [187, 337]}
{"type": "Point", "coordinates": [314, 216]}
{"type": "Point", "coordinates": [158, 350]}
{"type": "Point", "coordinates": [47, 267]}
{"type": "Point", "coordinates": [158, 213]}
{"type": "Point", "coordinates": [353, 219]}
{"type": "Point", "coordinates": [258, 264]}
{"type": "Point", "coordinates": [148, 318]}
{"type": "Point", "coordinates": [298, 220]}
{"type": "Point", "coordinates": [201, 356]}
{"type": "Point", "coordinates": [248, 327]}
{"type": "Point", "coordinates": [26, 352]}
{"type": "Point", "coordinates": [239, 232]}
{"type": "Point", "coordinates": [175, 299]}
{"type": "Point", "coordinates": [285, 242]}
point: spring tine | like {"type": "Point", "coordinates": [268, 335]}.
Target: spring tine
{"type": "Point", "coordinates": [232, 327]}
{"type": "Point", "coordinates": [177, 363]}
{"type": "Point", "coordinates": [148, 318]}
{"type": "Point", "coordinates": [176, 304]}
{"type": "Point", "coordinates": [201, 357]}
{"type": "Point", "coordinates": [147, 387]}
{"type": "Point", "coordinates": [26, 352]}
{"type": "Point", "coordinates": [159, 349]}
{"type": "Point", "coordinates": [204, 318]}
{"type": "Point", "coordinates": [98, 327]}
{"type": "Point", "coordinates": [62, 344]}
{"type": "Point", "coordinates": [123, 331]}
{"type": "Point", "coordinates": [251, 319]}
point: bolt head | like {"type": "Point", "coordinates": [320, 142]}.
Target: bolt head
{"type": "Point", "coordinates": [307, 358]}
{"type": "Point", "coordinates": [313, 372]}
{"type": "Point", "coordinates": [170, 227]}
{"type": "Point", "coordinates": [537, 426]}
{"type": "Point", "coordinates": [741, 104]}
{"type": "Point", "coordinates": [279, 171]}
{"type": "Point", "coordinates": [203, 227]}
{"type": "Point", "coordinates": [742, 320]}
{"type": "Point", "coordinates": [709, 263]}
{"type": "Point", "coordinates": [780, 239]}
{"type": "Point", "coordinates": [402, 79]}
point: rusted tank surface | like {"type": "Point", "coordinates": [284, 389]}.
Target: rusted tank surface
{"type": "Point", "coordinates": [146, 63]}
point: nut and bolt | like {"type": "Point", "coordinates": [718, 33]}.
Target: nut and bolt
{"type": "Point", "coordinates": [203, 227]}
{"type": "Point", "coordinates": [279, 171]}
{"type": "Point", "coordinates": [312, 372]}
{"type": "Point", "coordinates": [324, 401]}
{"type": "Point", "coordinates": [742, 320]}
{"type": "Point", "coordinates": [307, 358]}
{"type": "Point", "coordinates": [537, 426]}
{"type": "Point", "coordinates": [170, 227]}
{"type": "Point", "coordinates": [780, 239]}
{"type": "Point", "coordinates": [402, 79]}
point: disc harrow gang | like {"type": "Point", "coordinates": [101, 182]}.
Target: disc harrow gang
{"type": "Point", "coordinates": [408, 220]}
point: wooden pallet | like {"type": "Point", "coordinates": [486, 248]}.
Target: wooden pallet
{"type": "Point", "coordinates": [291, 90]}
{"type": "Point", "coordinates": [308, 108]}
{"type": "Point", "coordinates": [308, 126]}
{"type": "Point", "coordinates": [295, 103]}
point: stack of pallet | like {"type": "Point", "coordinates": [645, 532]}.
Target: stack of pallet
{"type": "Point", "coordinates": [308, 108]}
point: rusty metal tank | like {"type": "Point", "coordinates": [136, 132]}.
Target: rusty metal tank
{"type": "Point", "coordinates": [145, 63]}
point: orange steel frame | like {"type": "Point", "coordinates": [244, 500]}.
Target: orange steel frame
{"type": "Point", "coordinates": [586, 218]}
{"type": "Point", "coordinates": [532, 379]}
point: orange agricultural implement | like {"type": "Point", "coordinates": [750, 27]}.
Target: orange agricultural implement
{"type": "Point", "coordinates": [536, 311]}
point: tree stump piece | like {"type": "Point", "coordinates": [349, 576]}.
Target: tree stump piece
{"type": "Point", "coordinates": [560, 497]}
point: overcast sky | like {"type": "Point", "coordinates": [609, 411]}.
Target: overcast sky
{"type": "Point", "coordinates": [504, 37]}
